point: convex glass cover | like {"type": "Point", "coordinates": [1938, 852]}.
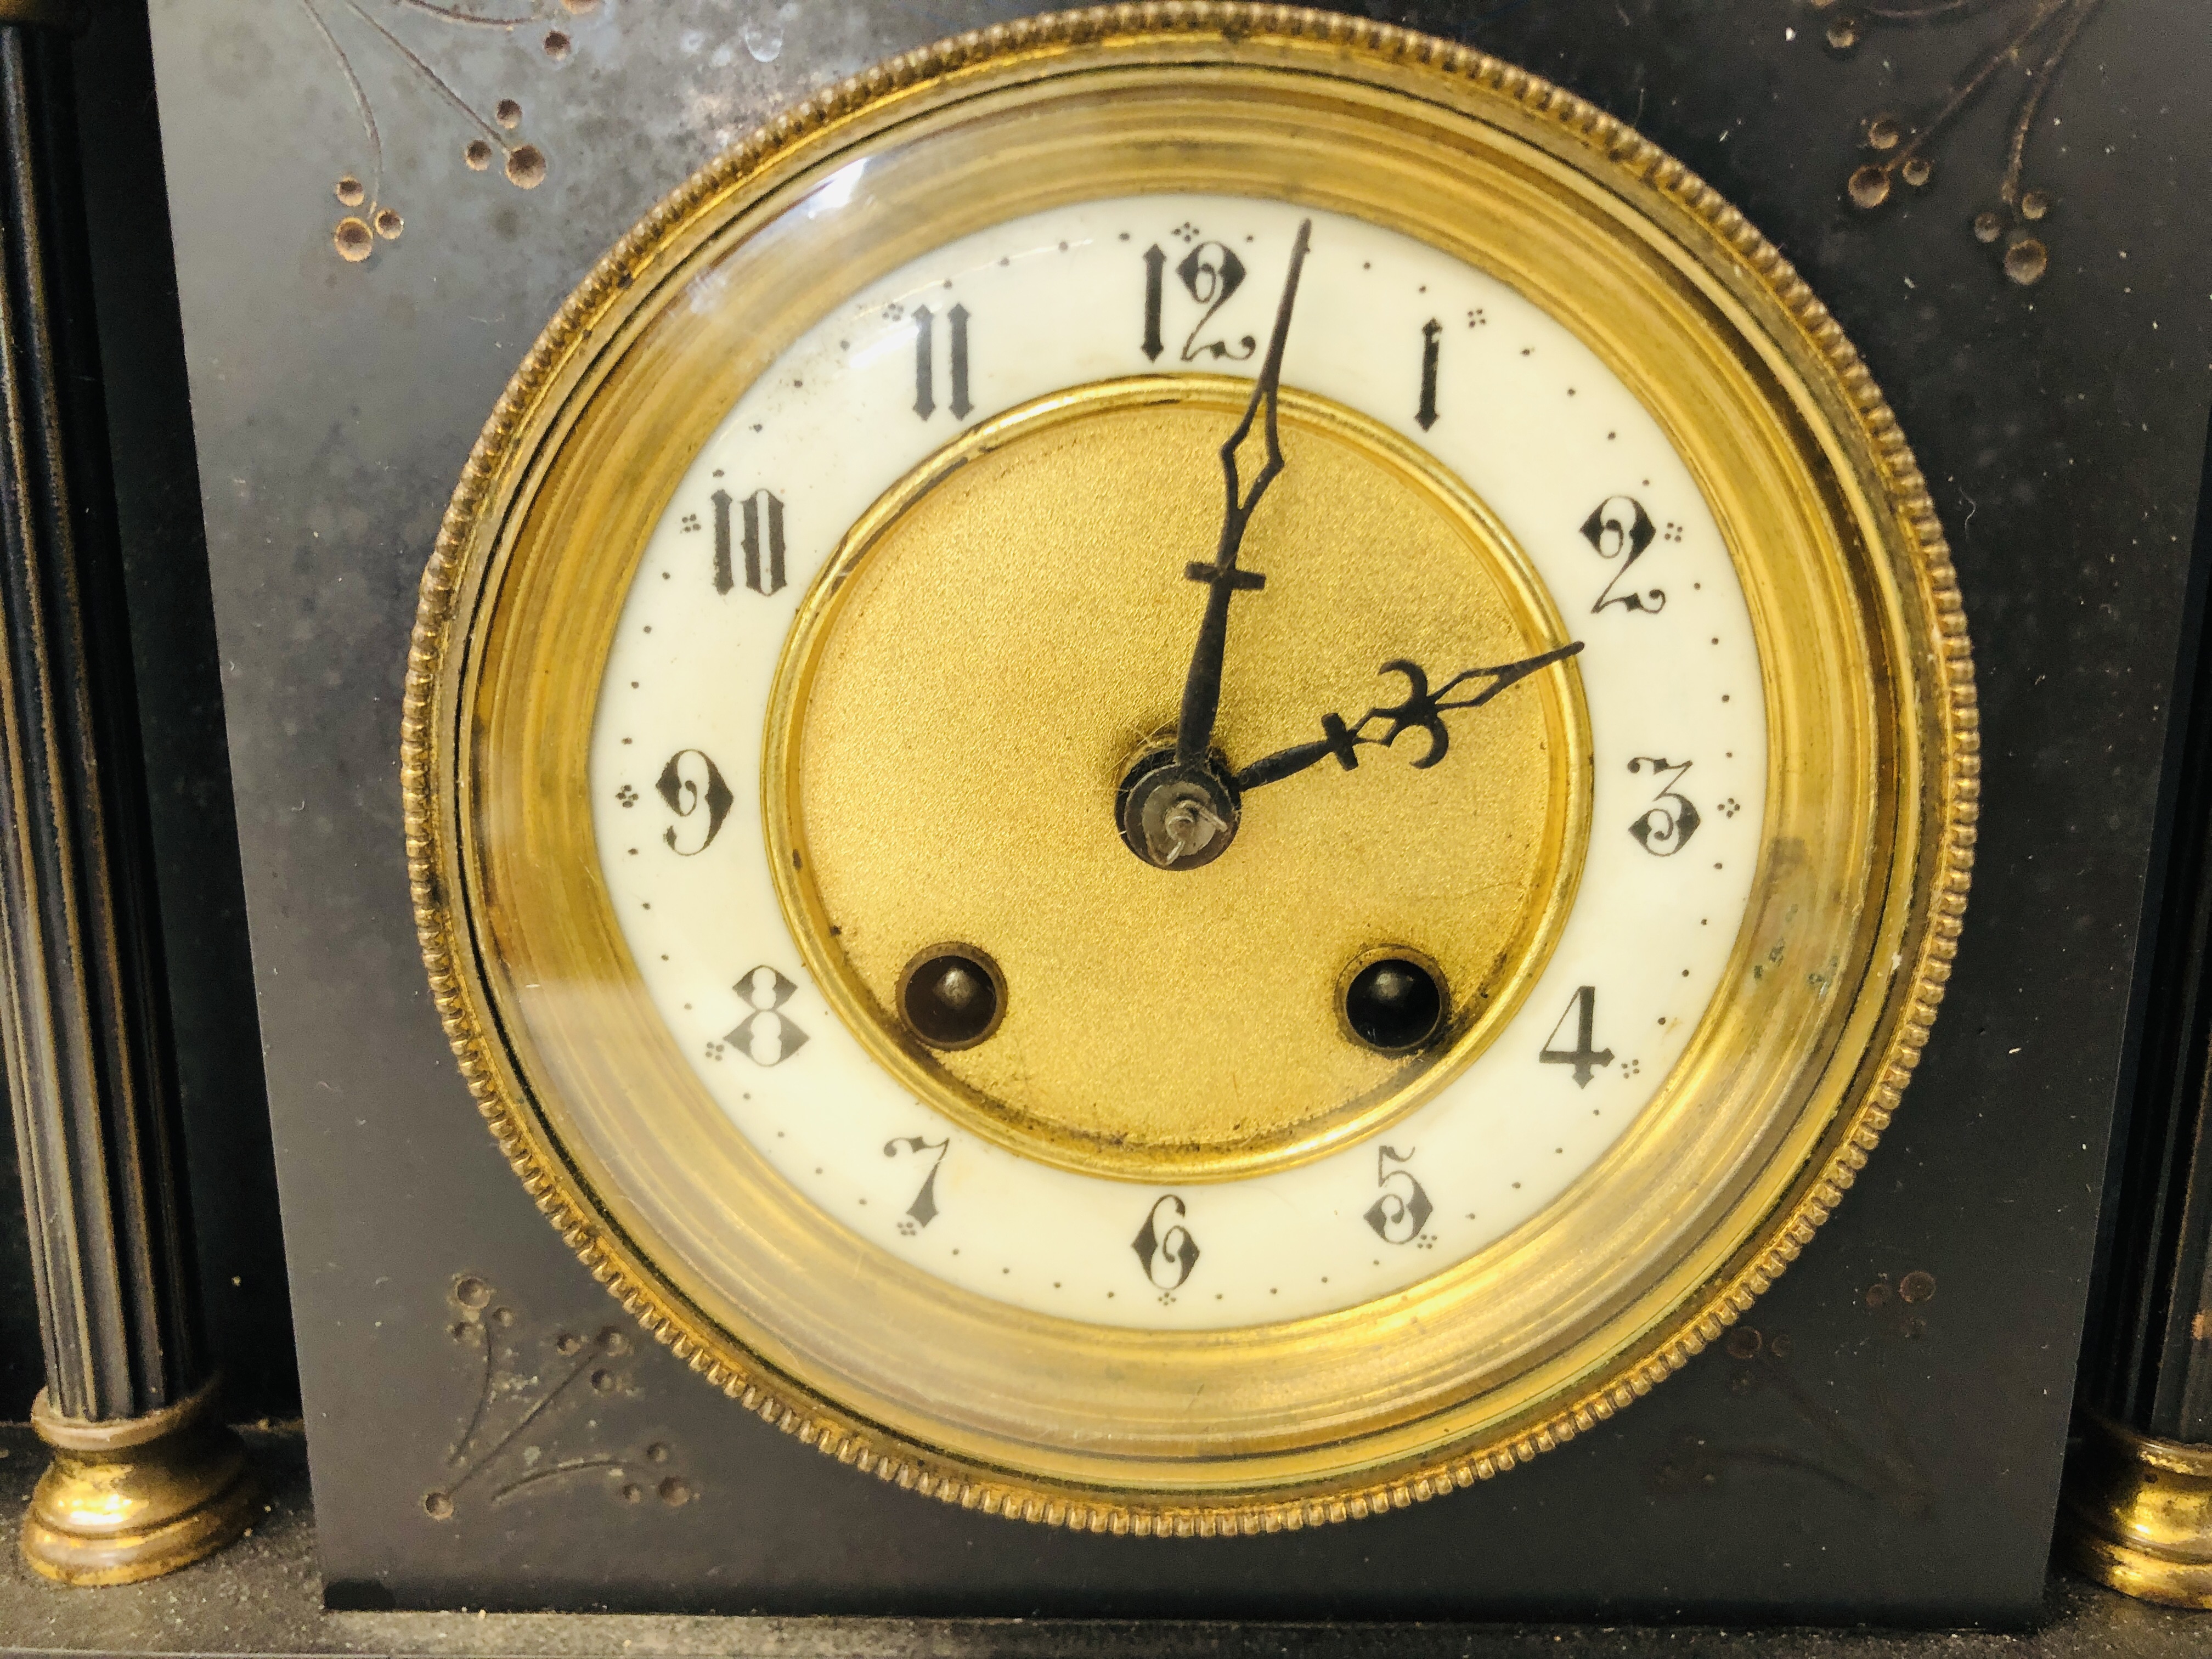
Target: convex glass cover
{"type": "Point", "coordinates": [1191, 774]}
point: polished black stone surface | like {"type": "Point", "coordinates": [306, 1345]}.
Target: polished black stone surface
{"type": "Point", "coordinates": [1901, 1464]}
{"type": "Point", "coordinates": [263, 1596]}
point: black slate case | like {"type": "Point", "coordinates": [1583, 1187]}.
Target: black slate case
{"type": "Point", "coordinates": [1880, 1441]}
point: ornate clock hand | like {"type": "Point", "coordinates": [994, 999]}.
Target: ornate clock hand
{"type": "Point", "coordinates": [1202, 688]}
{"type": "Point", "coordinates": [1423, 710]}
{"type": "Point", "coordinates": [1175, 810]}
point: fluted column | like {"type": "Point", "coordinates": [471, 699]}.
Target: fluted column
{"type": "Point", "coordinates": [2137, 1511]}
{"type": "Point", "coordinates": [144, 1478]}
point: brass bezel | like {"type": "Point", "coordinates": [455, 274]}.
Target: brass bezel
{"type": "Point", "coordinates": [1712, 326]}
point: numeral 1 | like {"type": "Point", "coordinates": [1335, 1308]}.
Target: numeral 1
{"type": "Point", "coordinates": [1432, 331]}
{"type": "Point", "coordinates": [1584, 1059]}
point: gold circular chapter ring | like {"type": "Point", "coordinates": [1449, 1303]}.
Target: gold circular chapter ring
{"type": "Point", "coordinates": [1786, 435]}
{"type": "Point", "coordinates": [907, 801]}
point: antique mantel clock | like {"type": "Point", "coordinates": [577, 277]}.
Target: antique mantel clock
{"type": "Point", "coordinates": [1190, 772]}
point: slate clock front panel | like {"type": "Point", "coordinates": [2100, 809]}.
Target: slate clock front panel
{"type": "Point", "coordinates": [378, 202]}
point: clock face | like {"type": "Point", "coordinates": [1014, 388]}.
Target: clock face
{"type": "Point", "coordinates": [1189, 780]}
{"type": "Point", "coordinates": [1175, 1118]}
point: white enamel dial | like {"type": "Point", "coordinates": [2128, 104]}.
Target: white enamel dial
{"type": "Point", "coordinates": [1505, 399]}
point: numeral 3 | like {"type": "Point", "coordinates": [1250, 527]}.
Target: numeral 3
{"type": "Point", "coordinates": [1664, 827]}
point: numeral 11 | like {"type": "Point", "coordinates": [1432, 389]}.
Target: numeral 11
{"type": "Point", "coordinates": [763, 575]}
{"type": "Point", "coordinates": [925, 367]}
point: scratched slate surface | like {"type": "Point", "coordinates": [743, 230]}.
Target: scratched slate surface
{"type": "Point", "coordinates": [1894, 1457]}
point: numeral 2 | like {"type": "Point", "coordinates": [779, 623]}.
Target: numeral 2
{"type": "Point", "coordinates": [1619, 528]}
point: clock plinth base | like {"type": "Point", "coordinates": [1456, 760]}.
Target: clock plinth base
{"type": "Point", "coordinates": [2137, 1514]}
{"type": "Point", "coordinates": [137, 1497]}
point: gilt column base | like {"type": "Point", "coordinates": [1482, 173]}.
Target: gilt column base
{"type": "Point", "coordinates": [137, 1497]}
{"type": "Point", "coordinates": [2136, 1513]}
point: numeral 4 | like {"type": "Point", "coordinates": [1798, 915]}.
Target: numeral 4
{"type": "Point", "coordinates": [1582, 1012]}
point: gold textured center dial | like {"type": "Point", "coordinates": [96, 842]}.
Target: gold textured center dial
{"type": "Point", "coordinates": [948, 741]}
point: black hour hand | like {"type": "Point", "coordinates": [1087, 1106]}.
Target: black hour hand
{"type": "Point", "coordinates": [1423, 710]}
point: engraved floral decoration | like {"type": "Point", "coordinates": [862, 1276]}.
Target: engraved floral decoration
{"type": "Point", "coordinates": [528, 1389]}
{"type": "Point", "coordinates": [1859, 1444]}
{"type": "Point", "coordinates": [2041, 34]}
{"type": "Point", "coordinates": [374, 26]}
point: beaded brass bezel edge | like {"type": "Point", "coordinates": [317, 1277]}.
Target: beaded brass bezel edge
{"type": "Point", "coordinates": [1945, 846]}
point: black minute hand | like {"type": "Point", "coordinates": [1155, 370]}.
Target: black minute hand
{"type": "Point", "coordinates": [1422, 710]}
{"type": "Point", "coordinates": [1201, 688]}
